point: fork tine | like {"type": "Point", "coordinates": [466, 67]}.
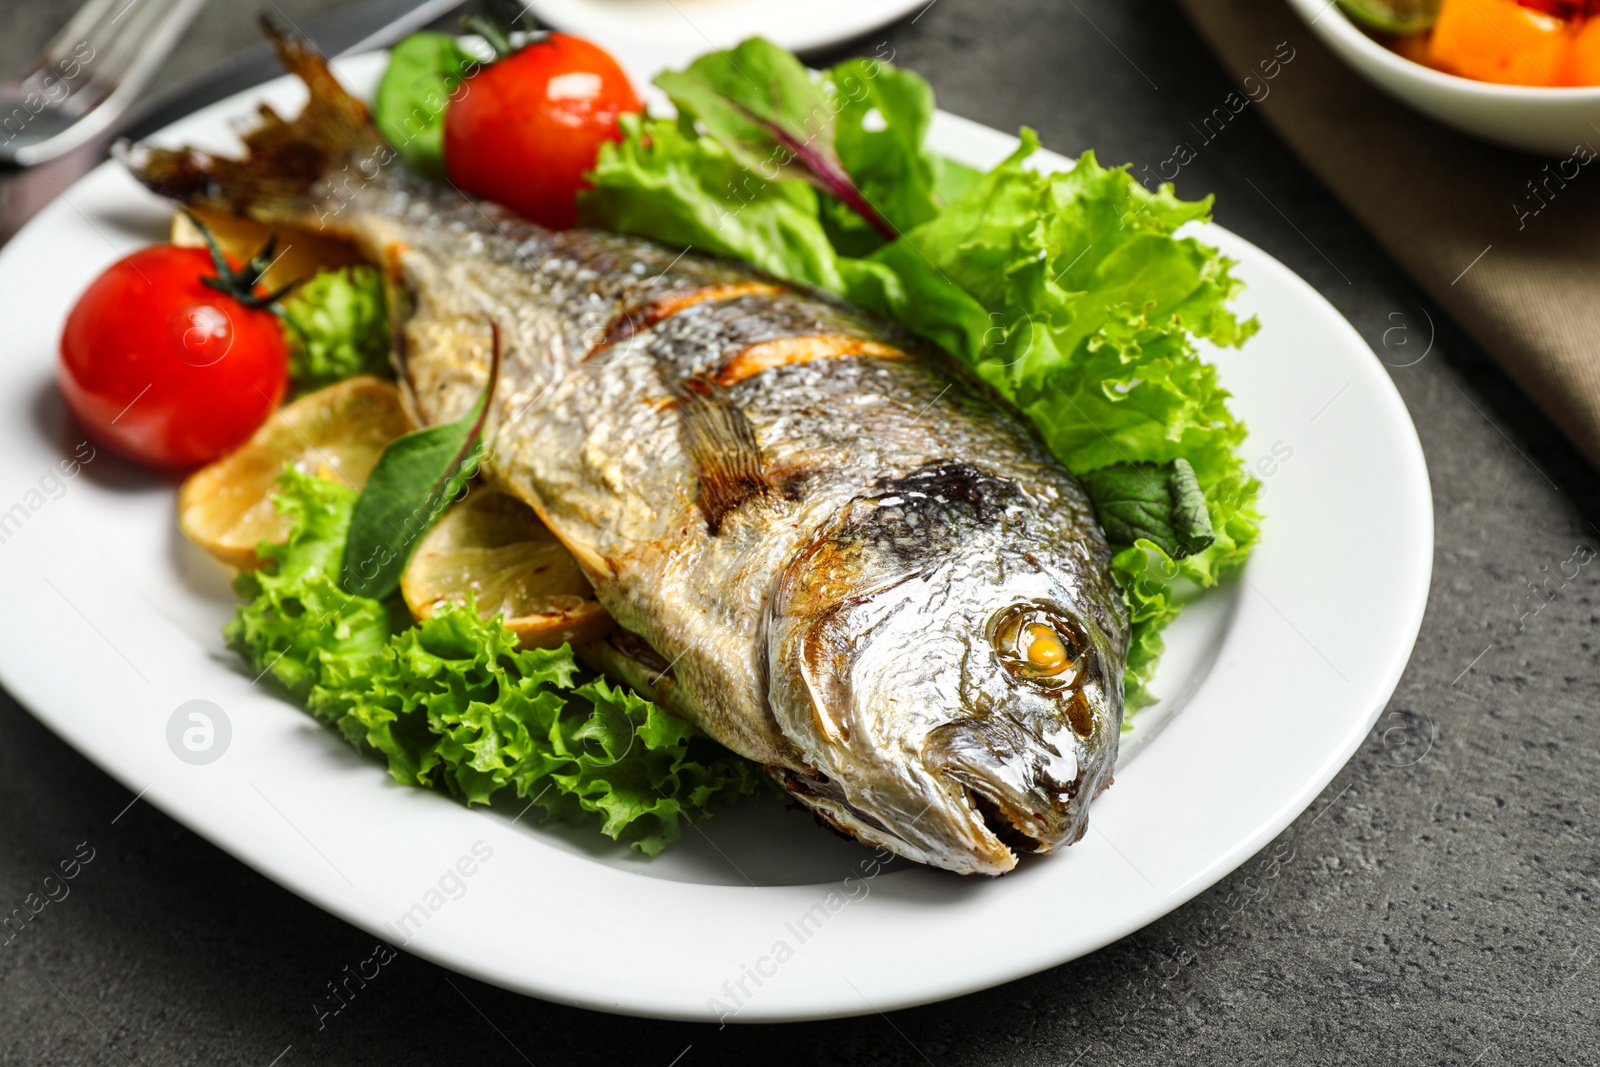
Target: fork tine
{"type": "Point", "coordinates": [105, 54]}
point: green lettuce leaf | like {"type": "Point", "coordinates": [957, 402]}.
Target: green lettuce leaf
{"type": "Point", "coordinates": [337, 326]}
{"type": "Point", "coordinates": [451, 703]}
{"type": "Point", "coordinates": [760, 103]}
{"type": "Point", "coordinates": [296, 622]}
{"type": "Point", "coordinates": [682, 189]}
{"type": "Point", "coordinates": [736, 191]}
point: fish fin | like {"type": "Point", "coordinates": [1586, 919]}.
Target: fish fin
{"type": "Point", "coordinates": [627, 659]}
{"type": "Point", "coordinates": [722, 446]}
{"type": "Point", "coordinates": [283, 160]}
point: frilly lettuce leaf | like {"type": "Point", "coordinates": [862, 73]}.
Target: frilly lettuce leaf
{"type": "Point", "coordinates": [337, 326]}
{"type": "Point", "coordinates": [453, 704]}
{"type": "Point", "coordinates": [297, 623]}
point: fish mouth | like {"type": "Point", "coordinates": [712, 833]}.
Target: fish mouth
{"type": "Point", "coordinates": [986, 792]}
{"type": "Point", "coordinates": [1022, 791]}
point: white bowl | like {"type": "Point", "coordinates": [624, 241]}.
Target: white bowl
{"type": "Point", "coordinates": [1548, 121]}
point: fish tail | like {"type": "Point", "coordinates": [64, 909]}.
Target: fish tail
{"type": "Point", "coordinates": [281, 176]}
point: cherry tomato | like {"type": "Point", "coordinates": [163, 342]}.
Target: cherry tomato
{"type": "Point", "coordinates": [528, 127]}
{"type": "Point", "coordinates": [166, 370]}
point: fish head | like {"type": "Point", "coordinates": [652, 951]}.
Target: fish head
{"type": "Point", "coordinates": [944, 656]}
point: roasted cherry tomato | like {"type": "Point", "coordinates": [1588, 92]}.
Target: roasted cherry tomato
{"type": "Point", "coordinates": [165, 369]}
{"type": "Point", "coordinates": [528, 127]}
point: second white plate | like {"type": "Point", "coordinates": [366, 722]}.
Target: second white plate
{"type": "Point", "coordinates": [656, 33]}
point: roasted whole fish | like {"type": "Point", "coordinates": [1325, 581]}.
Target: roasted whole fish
{"type": "Point", "coordinates": [827, 544]}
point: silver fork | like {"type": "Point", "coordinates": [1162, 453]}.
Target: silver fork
{"type": "Point", "coordinates": [87, 76]}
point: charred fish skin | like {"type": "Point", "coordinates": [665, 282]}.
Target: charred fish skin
{"type": "Point", "coordinates": [859, 565]}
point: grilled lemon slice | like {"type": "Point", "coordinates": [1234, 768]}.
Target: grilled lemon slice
{"type": "Point", "coordinates": [336, 433]}
{"type": "Point", "coordinates": [494, 547]}
{"type": "Point", "coordinates": [300, 253]}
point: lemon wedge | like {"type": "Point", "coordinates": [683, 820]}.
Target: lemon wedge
{"type": "Point", "coordinates": [493, 546]}
{"type": "Point", "coordinates": [300, 253]}
{"type": "Point", "coordinates": [336, 433]}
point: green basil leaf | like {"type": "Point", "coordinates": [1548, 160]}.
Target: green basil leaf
{"type": "Point", "coordinates": [1162, 503]}
{"type": "Point", "coordinates": [426, 71]}
{"type": "Point", "coordinates": [414, 480]}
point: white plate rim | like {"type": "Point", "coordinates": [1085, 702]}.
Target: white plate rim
{"type": "Point", "coordinates": [201, 802]}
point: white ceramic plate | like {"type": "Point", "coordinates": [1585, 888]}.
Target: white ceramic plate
{"type": "Point", "coordinates": [112, 622]}
{"type": "Point", "coordinates": [670, 32]}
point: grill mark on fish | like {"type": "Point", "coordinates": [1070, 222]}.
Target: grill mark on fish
{"type": "Point", "coordinates": [709, 337]}
{"type": "Point", "coordinates": [938, 501]}
{"type": "Point", "coordinates": [789, 351]}
{"type": "Point", "coordinates": [639, 318]}
{"type": "Point", "coordinates": [717, 434]}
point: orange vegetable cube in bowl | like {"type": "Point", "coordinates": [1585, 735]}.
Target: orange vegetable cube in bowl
{"type": "Point", "coordinates": [1501, 41]}
{"type": "Point", "coordinates": [1584, 65]}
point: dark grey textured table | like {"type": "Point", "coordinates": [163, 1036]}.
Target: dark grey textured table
{"type": "Point", "coordinates": [1437, 905]}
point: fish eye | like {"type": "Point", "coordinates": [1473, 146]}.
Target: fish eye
{"type": "Point", "coordinates": [1045, 651]}
{"type": "Point", "coordinates": [1038, 646]}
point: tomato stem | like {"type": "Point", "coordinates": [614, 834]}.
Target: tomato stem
{"type": "Point", "coordinates": [241, 284]}
{"type": "Point", "coordinates": [498, 26]}
{"type": "Point", "coordinates": [492, 32]}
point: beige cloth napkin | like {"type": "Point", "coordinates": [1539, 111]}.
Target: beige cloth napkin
{"type": "Point", "coordinates": [1454, 212]}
